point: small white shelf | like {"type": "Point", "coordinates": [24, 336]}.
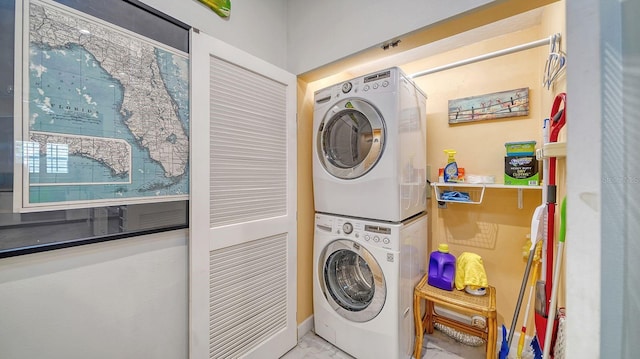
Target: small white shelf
{"type": "Point", "coordinates": [552, 149]}
{"type": "Point", "coordinates": [475, 191]}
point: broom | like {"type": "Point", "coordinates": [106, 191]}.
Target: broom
{"type": "Point", "coordinates": [523, 330]}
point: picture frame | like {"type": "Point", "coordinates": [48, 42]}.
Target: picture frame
{"type": "Point", "coordinates": [96, 127]}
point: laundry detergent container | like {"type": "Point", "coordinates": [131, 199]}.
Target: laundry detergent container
{"type": "Point", "coordinates": [442, 268]}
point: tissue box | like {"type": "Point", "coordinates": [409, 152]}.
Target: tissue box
{"type": "Point", "coordinates": [521, 170]}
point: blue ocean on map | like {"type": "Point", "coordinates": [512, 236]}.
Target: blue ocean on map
{"type": "Point", "coordinates": [70, 93]}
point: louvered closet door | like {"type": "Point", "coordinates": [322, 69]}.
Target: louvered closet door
{"type": "Point", "coordinates": [243, 207]}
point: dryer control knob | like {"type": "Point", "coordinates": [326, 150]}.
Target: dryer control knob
{"type": "Point", "coordinates": [346, 87]}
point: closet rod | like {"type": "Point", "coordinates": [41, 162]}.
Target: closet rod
{"type": "Point", "coordinates": [490, 55]}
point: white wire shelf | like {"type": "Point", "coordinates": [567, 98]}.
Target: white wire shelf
{"type": "Point", "coordinates": [473, 193]}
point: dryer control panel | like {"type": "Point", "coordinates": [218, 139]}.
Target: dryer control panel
{"type": "Point", "coordinates": [378, 82]}
{"type": "Point", "coordinates": [383, 81]}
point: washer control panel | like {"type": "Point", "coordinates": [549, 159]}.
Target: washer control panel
{"type": "Point", "coordinates": [376, 234]}
{"type": "Point", "coordinates": [347, 227]}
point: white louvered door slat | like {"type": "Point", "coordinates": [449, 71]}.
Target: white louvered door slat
{"type": "Point", "coordinates": [243, 202]}
{"type": "Point", "coordinates": [248, 142]}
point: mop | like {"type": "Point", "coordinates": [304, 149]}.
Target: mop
{"type": "Point", "coordinates": [556, 278]}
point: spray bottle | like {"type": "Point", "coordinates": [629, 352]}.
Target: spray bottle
{"type": "Point", "coordinates": [451, 169]}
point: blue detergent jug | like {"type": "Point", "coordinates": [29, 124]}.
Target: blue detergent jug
{"type": "Point", "coordinates": [442, 268]}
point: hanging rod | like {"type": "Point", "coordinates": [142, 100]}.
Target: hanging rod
{"type": "Point", "coordinates": [510, 50]}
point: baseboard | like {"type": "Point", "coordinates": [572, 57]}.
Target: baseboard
{"type": "Point", "coordinates": [305, 327]}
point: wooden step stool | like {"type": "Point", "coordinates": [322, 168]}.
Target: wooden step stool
{"type": "Point", "coordinates": [458, 301]}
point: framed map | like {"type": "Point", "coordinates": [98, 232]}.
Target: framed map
{"type": "Point", "coordinates": [104, 113]}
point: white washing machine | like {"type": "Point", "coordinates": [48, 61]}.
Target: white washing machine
{"type": "Point", "coordinates": [370, 147]}
{"type": "Point", "coordinates": [364, 274]}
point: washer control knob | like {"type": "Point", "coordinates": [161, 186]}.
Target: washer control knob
{"type": "Point", "coordinates": [347, 228]}
{"type": "Point", "coordinates": [385, 83]}
{"type": "Point", "coordinates": [357, 235]}
{"type": "Point", "coordinates": [346, 87]}
{"type": "Point", "coordinates": [386, 240]}
{"type": "Point", "coordinates": [366, 87]}
{"type": "Point", "coordinates": [376, 239]}
{"type": "Point", "coordinates": [375, 86]}
{"type": "Point", "coordinates": [367, 237]}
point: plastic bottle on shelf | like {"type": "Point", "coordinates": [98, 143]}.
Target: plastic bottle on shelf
{"type": "Point", "coordinates": [451, 168]}
{"type": "Point", "coordinates": [442, 268]}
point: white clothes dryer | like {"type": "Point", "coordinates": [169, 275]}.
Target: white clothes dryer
{"type": "Point", "coordinates": [370, 147]}
{"type": "Point", "coordinates": [364, 274]}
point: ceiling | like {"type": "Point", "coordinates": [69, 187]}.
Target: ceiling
{"type": "Point", "coordinates": [372, 60]}
{"type": "Point", "coordinates": [498, 28]}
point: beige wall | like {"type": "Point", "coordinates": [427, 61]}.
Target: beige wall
{"type": "Point", "coordinates": [305, 203]}
{"type": "Point", "coordinates": [495, 229]}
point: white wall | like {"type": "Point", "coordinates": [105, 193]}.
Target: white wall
{"type": "Point", "coordinates": [603, 215]}
{"type": "Point", "coordinates": [316, 37]}
{"type": "Point", "coordinates": [125, 298]}
{"type": "Point", "coordinates": [256, 26]}
{"type": "Point", "coordinates": [583, 243]}
{"type": "Point", "coordinates": [118, 299]}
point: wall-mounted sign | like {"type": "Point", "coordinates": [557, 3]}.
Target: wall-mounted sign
{"type": "Point", "coordinates": [220, 7]}
{"type": "Point", "coordinates": [495, 105]}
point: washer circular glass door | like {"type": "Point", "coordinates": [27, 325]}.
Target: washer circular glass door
{"type": "Point", "coordinates": [351, 138]}
{"type": "Point", "coordinates": [352, 280]}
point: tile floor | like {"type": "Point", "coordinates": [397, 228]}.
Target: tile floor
{"type": "Point", "coordinates": [437, 346]}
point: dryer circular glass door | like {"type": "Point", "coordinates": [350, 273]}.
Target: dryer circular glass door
{"type": "Point", "coordinates": [352, 280]}
{"type": "Point", "coordinates": [351, 138]}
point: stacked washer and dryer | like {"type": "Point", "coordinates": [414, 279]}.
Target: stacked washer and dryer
{"type": "Point", "coordinates": [370, 189]}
